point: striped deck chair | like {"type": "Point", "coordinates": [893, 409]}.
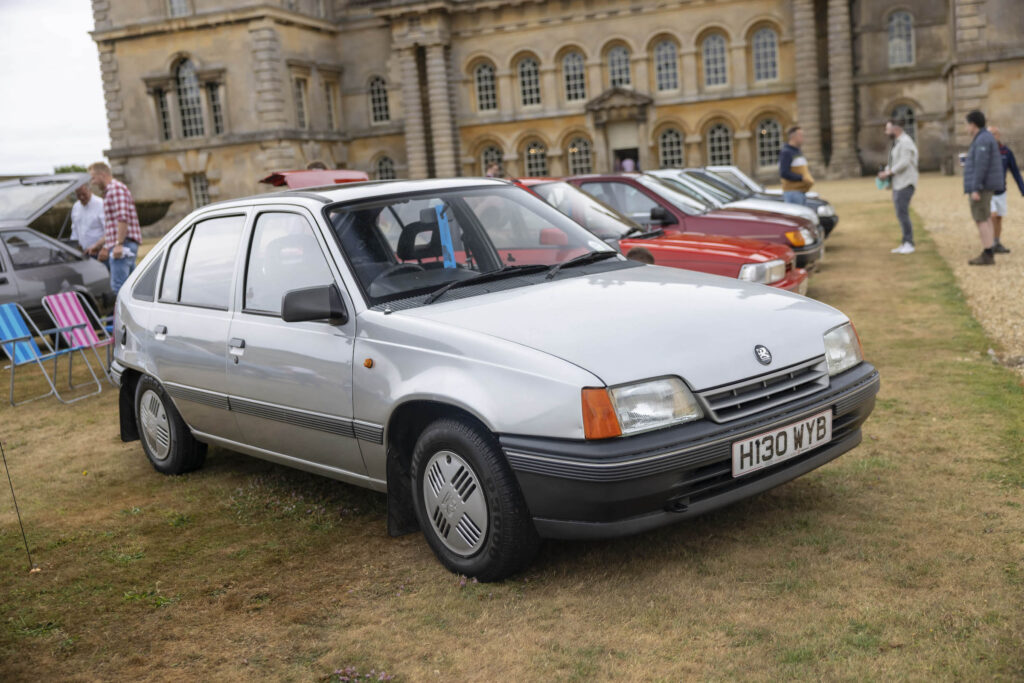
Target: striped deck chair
{"type": "Point", "coordinates": [20, 346]}
{"type": "Point", "coordinates": [85, 329]}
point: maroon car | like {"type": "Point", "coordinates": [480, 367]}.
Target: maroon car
{"type": "Point", "coordinates": [651, 201]}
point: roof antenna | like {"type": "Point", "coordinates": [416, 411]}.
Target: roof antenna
{"type": "Point", "coordinates": [32, 568]}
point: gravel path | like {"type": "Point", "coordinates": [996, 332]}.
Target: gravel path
{"type": "Point", "coordinates": [994, 294]}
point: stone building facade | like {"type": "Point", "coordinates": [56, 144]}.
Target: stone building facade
{"type": "Point", "coordinates": [204, 97]}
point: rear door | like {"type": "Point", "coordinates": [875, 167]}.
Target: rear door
{"type": "Point", "coordinates": [290, 384]}
{"type": "Point", "coordinates": [187, 328]}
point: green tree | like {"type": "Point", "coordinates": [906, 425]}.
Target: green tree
{"type": "Point", "coordinates": [69, 168]}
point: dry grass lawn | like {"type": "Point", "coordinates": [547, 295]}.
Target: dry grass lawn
{"type": "Point", "coordinates": [904, 559]}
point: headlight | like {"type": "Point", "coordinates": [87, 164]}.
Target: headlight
{"type": "Point", "coordinates": [826, 211]}
{"type": "Point", "coordinates": [639, 407]}
{"type": "Point", "coordinates": [842, 349]}
{"type": "Point", "coordinates": [765, 273]}
{"type": "Point", "coordinates": [801, 237]}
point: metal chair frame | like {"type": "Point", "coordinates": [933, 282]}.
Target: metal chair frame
{"type": "Point", "coordinates": [99, 326]}
{"type": "Point", "coordinates": [10, 347]}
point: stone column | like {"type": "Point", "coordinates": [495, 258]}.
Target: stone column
{"type": "Point", "coordinates": [738, 58]}
{"type": "Point", "coordinates": [808, 109]}
{"type": "Point", "coordinates": [843, 163]}
{"type": "Point", "coordinates": [440, 112]}
{"type": "Point", "coordinates": [689, 74]}
{"type": "Point", "coordinates": [743, 151]}
{"type": "Point", "coordinates": [415, 144]}
{"type": "Point", "coordinates": [506, 93]}
{"type": "Point", "coordinates": [549, 88]}
{"type": "Point", "coordinates": [641, 74]}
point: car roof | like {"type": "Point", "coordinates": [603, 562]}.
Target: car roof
{"type": "Point", "coordinates": [332, 194]}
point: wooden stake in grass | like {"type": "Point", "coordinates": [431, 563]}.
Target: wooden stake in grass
{"type": "Point", "coordinates": [32, 568]}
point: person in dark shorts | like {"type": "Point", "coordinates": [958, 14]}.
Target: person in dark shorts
{"type": "Point", "coordinates": [983, 175]}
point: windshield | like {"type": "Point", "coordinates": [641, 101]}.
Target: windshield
{"type": "Point", "coordinates": [708, 180]}
{"type": "Point", "coordinates": [22, 201]}
{"type": "Point", "coordinates": [734, 180]}
{"type": "Point", "coordinates": [685, 203]}
{"type": "Point", "coordinates": [407, 245]}
{"type": "Point", "coordinates": [680, 185]}
{"type": "Point", "coordinates": [595, 216]}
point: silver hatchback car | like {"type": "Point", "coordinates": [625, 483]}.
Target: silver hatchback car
{"type": "Point", "coordinates": [503, 374]}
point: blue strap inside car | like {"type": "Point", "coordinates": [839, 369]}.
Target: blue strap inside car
{"type": "Point", "coordinates": [446, 236]}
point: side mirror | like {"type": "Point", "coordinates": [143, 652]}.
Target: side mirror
{"type": "Point", "coordinates": [661, 216]}
{"type": "Point", "coordinates": [553, 237]}
{"type": "Point", "coordinates": [314, 303]}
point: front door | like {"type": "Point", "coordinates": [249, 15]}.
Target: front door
{"type": "Point", "coordinates": [290, 384]}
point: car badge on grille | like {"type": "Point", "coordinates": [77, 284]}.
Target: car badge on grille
{"type": "Point", "coordinates": [764, 356]}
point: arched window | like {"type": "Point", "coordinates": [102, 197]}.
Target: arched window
{"type": "Point", "coordinates": [666, 66]}
{"type": "Point", "coordinates": [906, 112]}
{"type": "Point", "coordinates": [491, 154]}
{"type": "Point", "coordinates": [618, 66]}
{"type": "Point", "coordinates": [901, 39]}
{"type": "Point", "coordinates": [190, 103]}
{"type": "Point", "coordinates": [719, 145]}
{"type": "Point", "coordinates": [766, 55]}
{"type": "Point", "coordinates": [486, 92]}
{"type": "Point", "coordinates": [670, 148]}
{"type": "Point", "coordinates": [769, 141]}
{"type": "Point", "coordinates": [379, 109]}
{"type": "Point", "coordinates": [529, 82]}
{"type": "Point", "coordinates": [715, 69]}
{"type": "Point", "coordinates": [579, 156]}
{"type": "Point", "coordinates": [575, 77]}
{"type": "Point", "coordinates": [385, 169]}
{"type": "Point", "coordinates": [536, 159]}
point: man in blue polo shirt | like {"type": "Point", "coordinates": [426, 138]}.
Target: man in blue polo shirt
{"type": "Point", "coordinates": [999, 196]}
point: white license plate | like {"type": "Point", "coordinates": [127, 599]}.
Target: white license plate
{"type": "Point", "coordinates": [770, 448]}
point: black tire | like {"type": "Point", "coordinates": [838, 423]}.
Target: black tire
{"type": "Point", "coordinates": [508, 542]}
{"type": "Point", "coordinates": [165, 437]}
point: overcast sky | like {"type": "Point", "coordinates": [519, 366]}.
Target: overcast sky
{"type": "Point", "coordinates": [52, 97]}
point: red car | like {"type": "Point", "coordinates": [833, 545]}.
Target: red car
{"type": "Point", "coordinates": [651, 201]}
{"type": "Point", "coordinates": [314, 178]}
{"type": "Point", "coordinates": [745, 259]}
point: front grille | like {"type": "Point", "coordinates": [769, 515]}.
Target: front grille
{"type": "Point", "coordinates": [765, 392]}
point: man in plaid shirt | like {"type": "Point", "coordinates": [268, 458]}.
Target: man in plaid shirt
{"type": "Point", "coordinates": [122, 235]}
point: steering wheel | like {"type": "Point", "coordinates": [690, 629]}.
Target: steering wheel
{"type": "Point", "coordinates": [400, 268]}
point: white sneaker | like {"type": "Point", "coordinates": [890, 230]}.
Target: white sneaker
{"type": "Point", "coordinates": [899, 249]}
{"type": "Point", "coordinates": [908, 248]}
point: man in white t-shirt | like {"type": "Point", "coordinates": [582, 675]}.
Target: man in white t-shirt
{"type": "Point", "coordinates": [87, 221]}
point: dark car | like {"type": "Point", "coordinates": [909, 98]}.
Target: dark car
{"type": "Point", "coordinates": [33, 265]}
{"type": "Point", "coordinates": [736, 179]}
{"type": "Point", "coordinates": [652, 201]}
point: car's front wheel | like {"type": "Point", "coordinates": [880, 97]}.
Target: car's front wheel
{"type": "Point", "coordinates": [468, 502]}
{"type": "Point", "coordinates": [166, 438]}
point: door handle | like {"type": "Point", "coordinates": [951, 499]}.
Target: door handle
{"type": "Point", "coordinates": [237, 343]}
{"type": "Point", "coordinates": [3, 281]}
{"type": "Point", "coordinates": [160, 332]}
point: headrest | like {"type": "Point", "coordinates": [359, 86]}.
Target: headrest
{"type": "Point", "coordinates": [408, 249]}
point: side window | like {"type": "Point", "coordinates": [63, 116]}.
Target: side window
{"type": "Point", "coordinates": [284, 255]}
{"type": "Point", "coordinates": [175, 261]}
{"type": "Point", "coordinates": [145, 286]}
{"type": "Point", "coordinates": [29, 250]}
{"type": "Point", "coordinates": [626, 198]}
{"type": "Point", "coordinates": [210, 262]}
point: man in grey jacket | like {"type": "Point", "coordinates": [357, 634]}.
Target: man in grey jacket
{"type": "Point", "coordinates": [902, 170]}
{"type": "Point", "coordinates": [983, 175]}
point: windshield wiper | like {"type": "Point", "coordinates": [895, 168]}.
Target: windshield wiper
{"type": "Point", "coordinates": [582, 259]}
{"type": "Point", "coordinates": [500, 273]}
{"type": "Point", "coordinates": [634, 230]}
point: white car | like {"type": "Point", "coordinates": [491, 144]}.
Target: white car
{"type": "Point", "coordinates": [720, 198]}
{"type": "Point", "coordinates": [500, 372]}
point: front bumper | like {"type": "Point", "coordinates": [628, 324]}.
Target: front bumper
{"type": "Point", "coordinates": [807, 257]}
{"type": "Point", "coordinates": [829, 223]}
{"type": "Point", "coordinates": [617, 487]}
{"type": "Point", "coordinates": [795, 281]}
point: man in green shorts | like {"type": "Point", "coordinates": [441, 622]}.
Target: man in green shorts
{"type": "Point", "coordinates": [983, 175]}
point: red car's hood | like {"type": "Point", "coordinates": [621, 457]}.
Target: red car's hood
{"type": "Point", "coordinates": [740, 249]}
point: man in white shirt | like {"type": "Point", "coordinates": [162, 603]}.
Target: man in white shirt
{"type": "Point", "coordinates": [902, 169]}
{"type": "Point", "coordinates": [87, 221]}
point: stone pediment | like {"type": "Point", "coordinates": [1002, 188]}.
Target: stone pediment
{"type": "Point", "coordinates": [619, 104]}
